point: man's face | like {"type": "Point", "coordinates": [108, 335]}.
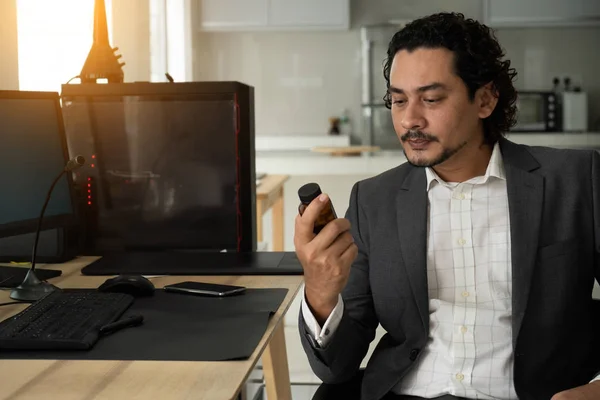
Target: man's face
{"type": "Point", "coordinates": [431, 110]}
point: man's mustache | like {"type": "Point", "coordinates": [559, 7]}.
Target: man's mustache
{"type": "Point", "coordinates": [416, 135]}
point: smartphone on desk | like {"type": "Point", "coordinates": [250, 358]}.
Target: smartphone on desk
{"type": "Point", "coordinates": [205, 289]}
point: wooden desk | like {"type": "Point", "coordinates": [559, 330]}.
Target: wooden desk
{"type": "Point", "coordinates": [68, 379]}
{"type": "Point", "coordinates": [269, 193]}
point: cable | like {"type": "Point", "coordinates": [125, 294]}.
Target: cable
{"type": "Point", "coordinates": [4, 280]}
{"type": "Point", "coordinates": [75, 77]}
{"type": "Point", "coordinates": [13, 302]}
{"type": "Point", "coordinates": [41, 218]}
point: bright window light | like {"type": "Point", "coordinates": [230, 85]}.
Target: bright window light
{"type": "Point", "coordinates": [54, 40]}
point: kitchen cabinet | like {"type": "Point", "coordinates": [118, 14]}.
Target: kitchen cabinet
{"type": "Point", "coordinates": [538, 13]}
{"type": "Point", "coordinates": [232, 14]}
{"type": "Point", "coordinates": [309, 13]}
{"type": "Point", "coordinates": [272, 15]}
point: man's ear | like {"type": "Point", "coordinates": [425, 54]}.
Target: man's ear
{"type": "Point", "coordinates": [486, 98]}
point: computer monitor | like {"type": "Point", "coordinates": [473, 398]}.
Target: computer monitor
{"type": "Point", "coordinates": [171, 165]}
{"type": "Point", "coordinates": [33, 151]}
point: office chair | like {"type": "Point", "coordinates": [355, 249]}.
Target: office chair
{"type": "Point", "coordinates": [350, 390]}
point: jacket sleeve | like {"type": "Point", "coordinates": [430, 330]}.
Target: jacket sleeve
{"type": "Point", "coordinates": [322, 334]}
{"type": "Point", "coordinates": [341, 357]}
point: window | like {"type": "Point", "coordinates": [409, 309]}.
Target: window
{"type": "Point", "coordinates": [158, 40]}
{"type": "Point", "coordinates": [170, 40]}
{"type": "Point", "coordinates": [55, 38]}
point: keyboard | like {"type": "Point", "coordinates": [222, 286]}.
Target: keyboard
{"type": "Point", "coordinates": [63, 321]}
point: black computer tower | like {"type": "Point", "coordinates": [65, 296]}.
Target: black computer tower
{"type": "Point", "coordinates": [170, 165]}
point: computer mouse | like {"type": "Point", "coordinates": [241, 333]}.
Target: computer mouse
{"type": "Point", "coordinates": [135, 285]}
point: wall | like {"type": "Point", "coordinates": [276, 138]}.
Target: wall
{"type": "Point", "coordinates": [541, 54]}
{"type": "Point", "coordinates": [303, 78]}
{"type": "Point", "coordinates": [9, 66]}
{"type": "Point", "coordinates": [131, 34]}
{"type": "Point", "coordinates": [300, 79]}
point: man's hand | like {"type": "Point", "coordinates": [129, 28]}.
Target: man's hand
{"type": "Point", "coordinates": [326, 258]}
{"type": "Point", "coordinates": [591, 391]}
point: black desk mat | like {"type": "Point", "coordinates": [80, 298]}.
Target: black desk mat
{"type": "Point", "coordinates": [200, 263]}
{"type": "Point", "coordinates": [182, 327]}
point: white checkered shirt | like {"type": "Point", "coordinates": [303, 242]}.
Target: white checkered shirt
{"type": "Point", "coordinates": [469, 353]}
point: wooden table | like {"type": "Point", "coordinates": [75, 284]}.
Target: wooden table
{"type": "Point", "coordinates": [68, 379]}
{"type": "Point", "coordinates": [269, 193]}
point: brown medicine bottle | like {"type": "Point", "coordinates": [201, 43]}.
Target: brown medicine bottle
{"type": "Point", "coordinates": [308, 193]}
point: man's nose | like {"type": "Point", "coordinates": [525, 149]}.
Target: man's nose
{"type": "Point", "coordinates": [412, 118]}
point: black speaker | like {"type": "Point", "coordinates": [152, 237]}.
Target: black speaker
{"type": "Point", "coordinates": [55, 246]}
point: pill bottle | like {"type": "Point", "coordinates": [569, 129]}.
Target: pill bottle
{"type": "Point", "coordinates": [307, 194]}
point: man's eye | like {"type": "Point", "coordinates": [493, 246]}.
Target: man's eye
{"type": "Point", "coordinates": [432, 101]}
{"type": "Point", "coordinates": [398, 102]}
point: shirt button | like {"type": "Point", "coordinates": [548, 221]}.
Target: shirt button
{"type": "Point", "coordinates": [460, 377]}
{"type": "Point", "coordinates": [462, 242]}
{"type": "Point", "coordinates": [326, 331]}
{"type": "Point", "coordinates": [465, 294]}
{"type": "Point", "coordinates": [463, 329]}
{"type": "Point", "coordinates": [413, 354]}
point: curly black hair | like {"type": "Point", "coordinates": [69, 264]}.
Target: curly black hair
{"type": "Point", "coordinates": [477, 57]}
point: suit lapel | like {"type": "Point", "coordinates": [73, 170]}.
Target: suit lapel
{"type": "Point", "coordinates": [525, 203]}
{"type": "Point", "coordinates": [411, 212]}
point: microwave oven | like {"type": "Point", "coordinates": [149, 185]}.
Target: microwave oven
{"type": "Point", "coordinates": [539, 111]}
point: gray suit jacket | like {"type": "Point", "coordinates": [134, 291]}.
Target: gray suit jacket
{"type": "Point", "coordinates": [554, 208]}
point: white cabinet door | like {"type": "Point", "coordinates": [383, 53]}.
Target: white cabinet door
{"type": "Point", "coordinates": [233, 14]}
{"type": "Point", "coordinates": [309, 13]}
{"type": "Point", "coordinates": [526, 13]}
{"type": "Point", "coordinates": [590, 10]}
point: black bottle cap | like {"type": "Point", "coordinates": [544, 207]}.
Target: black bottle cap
{"type": "Point", "coordinates": [309, 192]}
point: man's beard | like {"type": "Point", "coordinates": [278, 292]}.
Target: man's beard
{"type": "Point", "coordinates": [445, 155]}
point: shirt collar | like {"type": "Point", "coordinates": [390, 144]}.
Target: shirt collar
{"type": "Point", "coordinates": [494, 169]}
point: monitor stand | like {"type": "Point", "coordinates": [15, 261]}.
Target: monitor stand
{"type": "Point", "coordinates": [56, 245]}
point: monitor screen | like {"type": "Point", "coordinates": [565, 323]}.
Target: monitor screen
{"type": "Point", "coordinates": [164, 171]}
{"type": "Point", "coordinates": [32, 154]}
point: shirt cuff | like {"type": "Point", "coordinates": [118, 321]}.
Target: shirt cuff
{"type": "Point", "coordinates": [597, 378]}
{"type": "Point", "coordinates": [323, 334]}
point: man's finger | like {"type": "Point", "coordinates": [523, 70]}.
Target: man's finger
{"type": "Point", "coordinates": [305, 224]}
{"type": "Point", "coordinates": [301, 236]}
{"type": "Point", "coordinates": [341, 244]}
{"type": "Point", "coordinates": [331, 232]}
{"type": "Point", "coordinates": [349, 255]}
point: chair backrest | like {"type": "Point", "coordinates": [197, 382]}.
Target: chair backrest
{"type": "Point", "coordinates": [596, 324]}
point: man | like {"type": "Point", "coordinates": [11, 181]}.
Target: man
{"type": "Point", "coordinates": [477, 256]}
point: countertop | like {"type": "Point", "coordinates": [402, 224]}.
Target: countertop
{"type": "Point", "coordinates": [297, 162]}
{"type": "Point", "coordinates": [305, 162]}
{"type": "Point", "coordinates": [575, 140]}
